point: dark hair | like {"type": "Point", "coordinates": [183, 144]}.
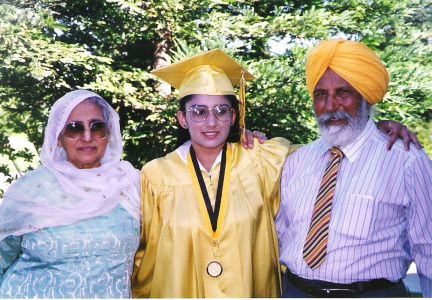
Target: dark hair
{"type": "Point", "coordinates": [234, 134]}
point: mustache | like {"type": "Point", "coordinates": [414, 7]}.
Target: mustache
{"type": "Point", "coordinates": [324, 119]}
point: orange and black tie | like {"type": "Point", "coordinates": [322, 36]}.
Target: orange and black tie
{"type": "Point", "coordinates": [315, 247]}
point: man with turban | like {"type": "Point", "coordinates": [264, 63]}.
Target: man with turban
{"type": "Point", "coordinates": [353, 216]}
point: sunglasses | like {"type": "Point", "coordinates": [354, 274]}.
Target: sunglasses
{"type": "Point", "coordinates": [75, 130]}
{"type": "Point", "coordinates": [199, 113]}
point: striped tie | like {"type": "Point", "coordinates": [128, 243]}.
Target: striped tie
{"type": "Point", "coordinates": [315, 247]}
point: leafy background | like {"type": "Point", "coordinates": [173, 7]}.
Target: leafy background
{"type": "Point", "coordinates": [49, 47]}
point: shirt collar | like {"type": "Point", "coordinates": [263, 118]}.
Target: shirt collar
{"type": "Point", "coordinates": [351, 151]}
{"type": "Point", "coordinates": [183, 152]}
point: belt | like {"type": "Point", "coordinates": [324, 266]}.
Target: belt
{"type": "Point", "coordinates": [322, 289]}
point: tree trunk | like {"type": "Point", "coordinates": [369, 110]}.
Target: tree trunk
{"type": "Point", "coordinates": [162, 58]}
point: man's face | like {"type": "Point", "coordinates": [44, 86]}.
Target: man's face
{"type": "Point", "coordinates": [340, 110]}
{"type": "Point", "coordinates": [334, 94]}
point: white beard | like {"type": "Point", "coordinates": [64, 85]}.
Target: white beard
{"type": "Point", "coordinates": [343, 135]}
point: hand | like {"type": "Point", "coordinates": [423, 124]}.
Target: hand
{"type": "Point", "coordinates": [248, 142]}
{"type": "Point", "coordinates": [397, 130]}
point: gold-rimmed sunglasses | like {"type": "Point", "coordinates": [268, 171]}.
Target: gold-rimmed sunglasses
{"type": "Point", "coordinates": [199, 113]}
{"type": "Point", "coordinates": [76, 130]}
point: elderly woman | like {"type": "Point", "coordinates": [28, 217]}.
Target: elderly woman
{"type": "Point", "coordinates": [70, 228]}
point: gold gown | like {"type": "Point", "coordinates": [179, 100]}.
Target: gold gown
{"type": "Point", "coordinates": [176, 243]}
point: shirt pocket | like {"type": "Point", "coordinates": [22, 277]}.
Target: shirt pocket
{"type": "Point", "coordinates": [355, 216]}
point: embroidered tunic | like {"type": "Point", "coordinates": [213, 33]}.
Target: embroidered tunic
{"type": "Point", "coordinates": [92, 258]}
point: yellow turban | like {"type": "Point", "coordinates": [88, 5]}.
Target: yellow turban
{"type": "Point", "coordinates": [354, 62]}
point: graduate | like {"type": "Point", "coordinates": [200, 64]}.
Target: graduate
{"type": "Point", "coordinates": [209, 206]}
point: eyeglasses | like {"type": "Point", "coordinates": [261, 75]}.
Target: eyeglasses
{"type": "Point", "coordinates": [199, 113]}
{"type": "Point", "coordinates": [75, 130]}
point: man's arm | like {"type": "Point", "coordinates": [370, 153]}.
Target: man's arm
{"type": "Point", "coordinates": [418, 181]}
{"type": "Point", "coordinates": [394, 130]}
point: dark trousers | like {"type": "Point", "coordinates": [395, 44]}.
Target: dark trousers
{"type": "Point", "coordinates": [395, 291]}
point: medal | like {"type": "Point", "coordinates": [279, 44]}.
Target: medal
{"type": "Point", "coordinates": [214, 268]}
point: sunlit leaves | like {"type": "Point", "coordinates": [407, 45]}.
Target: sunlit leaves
{"type": "Point", "coordinates": [48, 47]}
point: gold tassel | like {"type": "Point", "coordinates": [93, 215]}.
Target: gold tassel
{"type": "Point", "coordinates": [242, 107]}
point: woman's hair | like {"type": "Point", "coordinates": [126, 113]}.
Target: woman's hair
{"type": "Point", "coordinates": [234, 134]}
{"type": "Point", "coordinates": [103, 106]}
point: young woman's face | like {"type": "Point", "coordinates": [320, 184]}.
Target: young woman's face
{"type": "Point", "coordinates": [85, 136]}
{"type": "Point", "coordinates": [209, 119]}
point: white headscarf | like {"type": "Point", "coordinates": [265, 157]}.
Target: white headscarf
{"type": "Point", "coordinates": [84, 193]}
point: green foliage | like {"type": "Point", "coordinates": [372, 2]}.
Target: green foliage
{"type": "Point", "coordinates": [49, 47]}
{"type": "Point", "coordinates": [281, 105]}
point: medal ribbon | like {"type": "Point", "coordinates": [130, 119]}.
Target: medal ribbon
{"type": "Point", "coordinates": [213, 219]}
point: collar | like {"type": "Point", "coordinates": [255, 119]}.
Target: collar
{"type": "Point", "coordinates": [183, 151]}
{"type": "Point", "coordinates": [351, 151]}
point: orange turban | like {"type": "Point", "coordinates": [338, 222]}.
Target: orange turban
{"type": "Point", "coordinates": [354, 62]}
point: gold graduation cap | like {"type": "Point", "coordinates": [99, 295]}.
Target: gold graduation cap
{"type": "Point", "coordinates": [210, 73]}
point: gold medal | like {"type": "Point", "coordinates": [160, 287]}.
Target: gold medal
{"type": "Point", "coordinates": [214, 268]}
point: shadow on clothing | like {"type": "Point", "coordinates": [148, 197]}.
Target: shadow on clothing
{"type": "Point", "coordinates": [412, 282]}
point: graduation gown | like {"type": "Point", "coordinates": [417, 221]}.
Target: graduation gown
{"type": "Point", "coordinates": [177, 243]}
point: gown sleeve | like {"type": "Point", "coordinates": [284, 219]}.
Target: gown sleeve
{"type": "Point", "coordinates": [269, 159]}
{"type": "Point", "coordinates": [151, 222]}
{"type": "Point", "coordinates": [10, 248]}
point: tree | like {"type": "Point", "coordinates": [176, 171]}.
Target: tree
{"type": "Point", "coordinates": [49, 47]}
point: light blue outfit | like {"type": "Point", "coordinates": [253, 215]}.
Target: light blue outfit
{"type": "Point", "coordinates": [91, 258]}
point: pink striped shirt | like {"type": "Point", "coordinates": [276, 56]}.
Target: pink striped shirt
{"type": "Point", "coordinates": [381, 217]}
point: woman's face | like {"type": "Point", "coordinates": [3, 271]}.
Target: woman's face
{"type": "Point", "coordinates": [212, 132]}
{"type": "Point", "coordinates": [85, 151]}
